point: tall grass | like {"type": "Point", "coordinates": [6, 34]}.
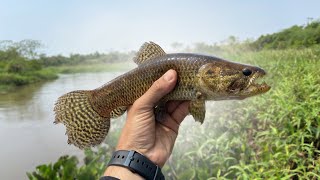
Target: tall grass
{"type": "Point", "coordinates": [266, 137]}
{"type": "Point", "coordinates": [272, 136]}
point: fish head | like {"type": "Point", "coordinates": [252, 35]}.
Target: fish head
{"type": "Point", "coordinates": [227, 80]}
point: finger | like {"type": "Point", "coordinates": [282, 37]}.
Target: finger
{"type": "Point", "coordinates": [172, 105]}
{"type": "Point", "coordinates": [181, 112]}
{"type": "Point", "coordinates": [159, 88]}
{"type": "Point", "coordinates": [173, 120]}
{"type": "Point", "coordinates": [171, 124]}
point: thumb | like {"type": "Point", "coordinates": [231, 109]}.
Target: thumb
{"type": "Point", "coordinates": [159, 88]}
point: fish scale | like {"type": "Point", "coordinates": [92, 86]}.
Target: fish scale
{"type": "Point", "coordinates": [87, 113]}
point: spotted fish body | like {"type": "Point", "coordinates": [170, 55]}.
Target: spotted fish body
{"type": "Point", "coordinates": [86, 114]}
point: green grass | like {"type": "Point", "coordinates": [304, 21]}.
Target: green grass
{"type": "Point", "coordinates": [266, 137]}
{"type": "Point", "coordinates": [272, 136]}
{"type": "Point", "coordinates": [11, 81]}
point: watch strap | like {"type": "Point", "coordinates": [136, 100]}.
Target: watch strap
{"type": "Point", "coordinates": [136, 163]}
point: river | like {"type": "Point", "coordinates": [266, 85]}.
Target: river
{"type": "Point", "coordinates": [27, 134]}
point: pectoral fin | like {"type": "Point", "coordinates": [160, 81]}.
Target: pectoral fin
{"type": "Point", "coordinates": [197, 109]}
{"type": "Point", "coordinates": [118, 111]}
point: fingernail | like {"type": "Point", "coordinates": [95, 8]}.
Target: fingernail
{"type": "Point", "coordinates": [168, 76]}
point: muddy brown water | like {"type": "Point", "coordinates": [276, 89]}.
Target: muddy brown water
{"type": "Point", "coordinates": [28, 136]}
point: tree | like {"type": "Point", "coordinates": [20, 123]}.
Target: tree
{"type": "Point", "coordinates": [26, 48]}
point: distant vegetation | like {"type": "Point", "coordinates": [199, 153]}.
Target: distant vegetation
{"type": "Point", "coordinates": [294, 37]}
{"type": "Point", "coordinates": [273, 136]}
{"type": "Point", "coordinates": [20, 64]}
{"type": "Point", "coordinates": [76, 59]}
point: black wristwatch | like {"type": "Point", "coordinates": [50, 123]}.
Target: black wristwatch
{"type": "Point", "coordinates": [136, 163]}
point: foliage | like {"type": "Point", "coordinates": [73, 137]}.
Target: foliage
{"type": "Point", "coordinates": [110, 67]}
{"type": "Point", "coordinates": [21, 64]}
{"type": "Point", "coordinates": [268, 137]}
{"type": "Point", "coordinates": [67, 167]}
{"type": "Point", "coordinates": [17, 70]}
{"type": "Point", "coordinates": [89, 59]}
{"type": "Point", "coordinates": [25, 48]}
{"type": "Point", "coordinates": [293, 37]}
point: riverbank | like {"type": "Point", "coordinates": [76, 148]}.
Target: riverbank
{"type": "Point", "coordinates": [10, 81]}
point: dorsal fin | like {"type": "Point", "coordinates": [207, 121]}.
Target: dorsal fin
{"type": "Point", "coordinates": [148, 51]}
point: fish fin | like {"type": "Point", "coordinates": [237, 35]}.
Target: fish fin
{"type": "Point", "coordinates": [159, 111]}
{"type": "Point", "coordinates": [118, 111]}
{"type": "Point", "coordinates": [85, 127]}
{"type": "Point", "coordinates": [148, 51]}
{"type": "Point", "coordinates": [197, 109]}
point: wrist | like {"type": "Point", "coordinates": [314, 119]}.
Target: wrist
{"type": "Point", "coordinates": [154, 158]}
{"type": "Point", "coordinates": [121, 173]}
{"type": "Point", "coordinates": [136, 163]}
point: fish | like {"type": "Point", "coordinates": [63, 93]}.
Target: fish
{"type": "Point", "coordinates": [87, 113]}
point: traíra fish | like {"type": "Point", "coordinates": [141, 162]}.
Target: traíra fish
{"type": "Point", "coordinates": [87, 113]}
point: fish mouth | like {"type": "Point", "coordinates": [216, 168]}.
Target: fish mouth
{"type": "Point", "coordinates": [256, 84]}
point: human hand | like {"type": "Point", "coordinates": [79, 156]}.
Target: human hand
{"type": "Point", "coordinates": [143, 133]}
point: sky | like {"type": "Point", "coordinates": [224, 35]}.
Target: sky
{"type": "Point", "coordinates": [81, 26]}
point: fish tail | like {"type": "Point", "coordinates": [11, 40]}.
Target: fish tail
{"type": "Point", "coordinates": [85, 127]}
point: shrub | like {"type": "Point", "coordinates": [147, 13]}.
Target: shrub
{"type": "Point", "coordinates": [16, 79]}
{"type": "Point", "coordinates": [66, 167]}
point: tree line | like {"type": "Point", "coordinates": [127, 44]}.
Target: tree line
{"type": "Point", "coordinates": [294, 37]}
{"type": "Point", "coordinates": [27, 50]}
{"type": "Point", "coordinates": [297, 36]}
{"type": "Point", "coordinates": [22, 63]}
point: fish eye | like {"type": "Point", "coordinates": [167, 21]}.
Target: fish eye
{"type": "Point", "coordinates": [209, 72]}
{"type": "Point", "coordinates": [246, 72]}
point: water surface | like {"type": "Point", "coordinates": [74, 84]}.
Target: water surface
{"type": "Point", "coordinates": [27, 134]}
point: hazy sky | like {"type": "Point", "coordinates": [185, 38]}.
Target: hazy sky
{"type": "Point", "coordinates": [76, 26]}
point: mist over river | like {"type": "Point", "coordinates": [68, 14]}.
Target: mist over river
{"type": "Point", "coordinates": [27, 134]}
